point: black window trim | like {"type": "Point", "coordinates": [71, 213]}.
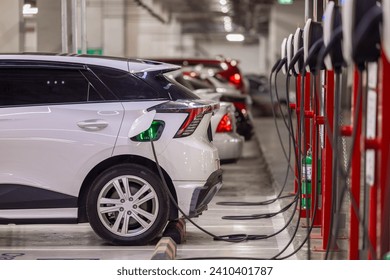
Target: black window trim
{"type": "Point", "coordinates": [98, 85]}
{"type": "Point", "coordinates": [82, 68]}
{"type": "Point", "coordinates": [132, 75]}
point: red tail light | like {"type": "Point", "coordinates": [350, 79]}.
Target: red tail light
{"type": "Point", "coordinates": [191, 123]}
{"type": "Point", "coordinates": [195, 111]}
{"type": "Point", "coordinates": [235, 79]}
{"type": "Point", "coordinates": [225, 124]}
{"type": "Point", "coordinates": [241, 106]}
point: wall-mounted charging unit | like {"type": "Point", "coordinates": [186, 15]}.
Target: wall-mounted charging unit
{"type": "Point", "coordinates": [386, 27]}
{"type": "Point", "coordinates": [290, 50]}
{"type": "Point", "coordinates": [298, 44]}
{"type": "Point", "coordinates": [361, 38]}
{"type": "Point", "coordinates": [283, 53]}
{"type": "Point", "coordinates": [312, 33]}
{"type": "Point", "coordinates": [333, 21]}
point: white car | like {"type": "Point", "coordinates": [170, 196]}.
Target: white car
{"type": "Point", "coordinates": [75, 144]}
{"type": "Point", "coordinates": [223, 123]}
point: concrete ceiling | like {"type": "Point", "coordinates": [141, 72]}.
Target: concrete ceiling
{"type": "Point", "coordinates": [205, 18]}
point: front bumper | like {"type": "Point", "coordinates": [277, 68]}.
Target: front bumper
{"type": "Point", "coordinates": [194, 197]}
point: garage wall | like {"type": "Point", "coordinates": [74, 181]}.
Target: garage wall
{"type": "Point", "coordinates": [248, 55]}
{"type": "Point", "coordinates": [10, 24]}
{"type": "Point", "coordinates": [284, 20]}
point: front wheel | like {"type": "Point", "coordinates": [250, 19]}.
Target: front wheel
{"type": "Point", "coordinates": [127, 205]}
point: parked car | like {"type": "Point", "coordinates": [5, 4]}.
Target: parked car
{"type": "Point", "coordinates": [75, 136]}
{"type": "Point", "coordinates": [202, 84]}
{"type": "Point", "coordinates": [260, 94]}
{"type": "Point", "coordinates": [225, 67]}
{"type": "Point", "coordinates": [228, 142]}
{"type": "Point", "coordinates": [223, 123]}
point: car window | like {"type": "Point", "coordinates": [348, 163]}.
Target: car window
{"type": "Point", "coordinates": [125, 85]}
{"type": "Point", "coordinates": [35, 86]}
{"type": "Point", "coordinates": [176, 90]}
{"type": "Point", "coordinates": [199, 84]}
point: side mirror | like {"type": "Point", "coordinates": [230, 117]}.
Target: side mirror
{"type": "Point", "coordinates": [142, 123]}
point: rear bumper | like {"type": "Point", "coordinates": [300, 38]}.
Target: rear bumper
{"type": "Point", "coordinates": [229, 145]}
{"type": "Point", "coordinates": [194, 197]}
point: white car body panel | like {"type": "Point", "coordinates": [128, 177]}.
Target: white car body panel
{"type": "Point", "coordinates": [69, 149]}
{"type": "Point", "coordinates": [48, 213]}
{"type": "Point", "coordinates": [229, 144]}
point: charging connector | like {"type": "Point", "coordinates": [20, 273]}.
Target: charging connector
{"type": "Point", "coordinates": [332, 23]}
{"type": "Point", "coordinates": [361, 36]}
{"type": "Point", "coordinates": [283, 54]}
{"type": "Point", "coordinates": [312, 43]}
{"type": "Point", "coordinates": [298, 44]}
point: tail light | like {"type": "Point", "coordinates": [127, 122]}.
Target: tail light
{"type": "Point", "coordinates": [191, 122]}
{"type": "Point", "coordinates": [236, 80]}
{"type": "Point", "coordinates": [194, 110]}
{"type": "Point", "coordinates": [241, 106]}
{"type": "Point", "coordinates": [225, 124]}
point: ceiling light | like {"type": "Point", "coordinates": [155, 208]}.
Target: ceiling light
{"type": "Point", "coordinates": [285, 2]}
{"type": "Point", "coordinates": [228, 28]}
{"type": "Point", "coordinates": [28, 10]}
{"type": "Point", "coordinates": [235, 37]}
{"type": "Point", "coordinates": [224, 9]}
{"type": "Point", "coordinates": [223, 2]}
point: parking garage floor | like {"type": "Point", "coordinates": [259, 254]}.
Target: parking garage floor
{"type": "Point", "coordinates": [248, 180]}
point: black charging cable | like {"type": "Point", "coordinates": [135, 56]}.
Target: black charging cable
{"type": "Point", "coordinates": [276, 68]}
{"type": "Point", "coordinates": [233, 238]}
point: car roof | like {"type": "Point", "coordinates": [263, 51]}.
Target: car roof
{"type": "Point", "coordinates": [126, 64]}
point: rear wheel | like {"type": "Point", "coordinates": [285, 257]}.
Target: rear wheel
{"type": "Point", "coordinates": [127, 205]}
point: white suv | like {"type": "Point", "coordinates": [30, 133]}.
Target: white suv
{"type": "Point", "coordinates": [75, 145]}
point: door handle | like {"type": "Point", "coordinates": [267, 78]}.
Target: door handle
{"type": "Point", "coordinates": [92, 125]}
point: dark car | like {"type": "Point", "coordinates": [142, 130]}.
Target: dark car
{"type": "Point", "coordinates": [260, 93]}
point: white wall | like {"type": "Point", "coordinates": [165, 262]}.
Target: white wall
{"type": "Point", "coordinates": [248, 55]}
{"type": "Point", "coordinates": [10, 22]}
{"type": "Point", "coordinates": [94, 14]}
{"type": "Point", "coordinates": [147, 37]}
{"type": "Point", "coordinates": [122, 28]}
{"type": "Point", "coordinates": [284, 20]}
{"type": "Point", "coordinates": [49, 26]}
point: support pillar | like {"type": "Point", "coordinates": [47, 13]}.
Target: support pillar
{"type": "Point", "coordinates": [11, 23]}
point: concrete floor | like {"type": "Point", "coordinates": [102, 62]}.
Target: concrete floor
{"type": "Point", "coordinates": [248, 180]}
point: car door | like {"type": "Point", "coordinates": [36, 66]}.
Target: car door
{"type": "Point", "coordinates": [55, 127]}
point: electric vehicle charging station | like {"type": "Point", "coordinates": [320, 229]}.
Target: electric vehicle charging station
{"type": "Point", "coordinates": [361, 46]}
{"type": "Point", "coordinates": [360, 25]}
{"type": "Point", "coordinates": [312, 42]}
{"type": "Point", "coordinates": [298, 45]}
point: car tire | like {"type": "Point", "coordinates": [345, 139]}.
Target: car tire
{"type": "Point", "coordinates": [127, 205]}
